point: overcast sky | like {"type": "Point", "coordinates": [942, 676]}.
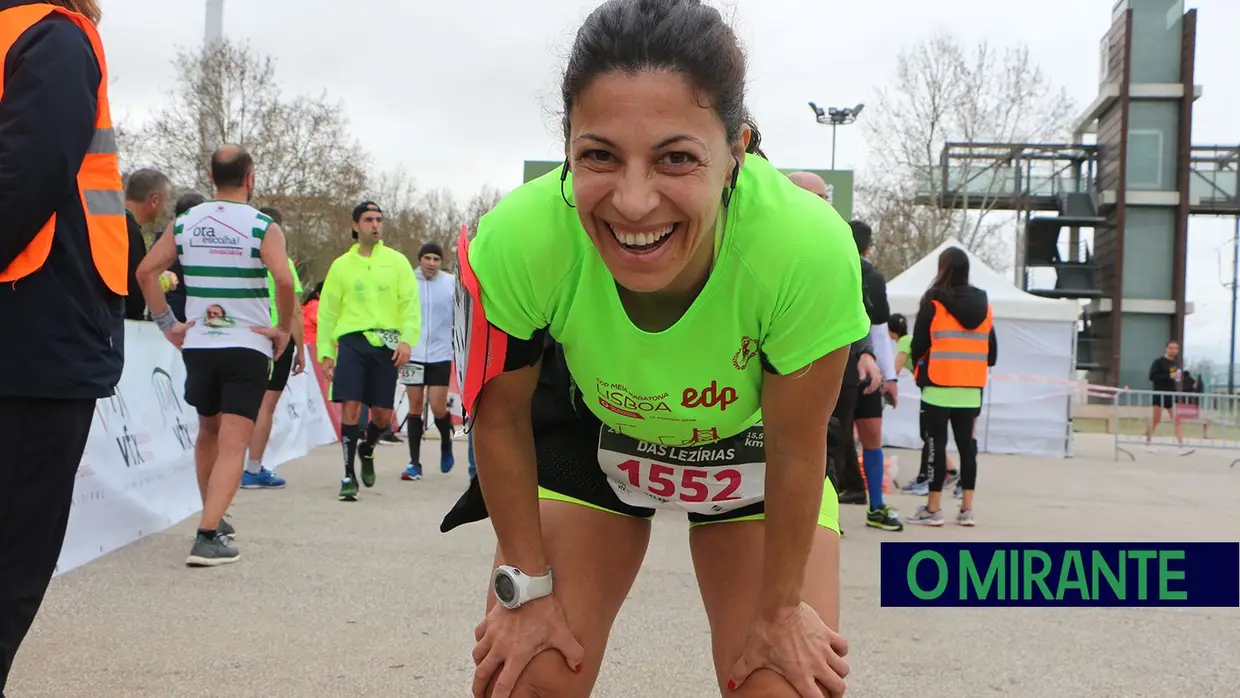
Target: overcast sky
{"type": "Point", "coordinates": [459, 93]}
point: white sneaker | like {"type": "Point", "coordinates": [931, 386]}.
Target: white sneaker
{"type": "Point", "coordinates": [965, 518]}
{"type": "Point", "coordinates": [1184, 450]}
{"type": "Point", "coordinates": [923, 517]}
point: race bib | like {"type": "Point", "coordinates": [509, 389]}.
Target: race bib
{"type": "Point", "coordinates": [411, 374]}
{"type": "Point", "coordinates": [710, 479]}
{"type": "Point", "coordinates": [391, 338]}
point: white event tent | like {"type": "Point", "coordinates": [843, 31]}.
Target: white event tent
{"type": "Point", "coordinates": [1027, 403]}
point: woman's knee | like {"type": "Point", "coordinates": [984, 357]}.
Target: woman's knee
{"type": "Point", "coordinates": [548, 676]}
{"type": "Point", "coordinates": [764, 683]}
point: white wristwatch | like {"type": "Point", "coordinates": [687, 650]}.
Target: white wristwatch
{"type": "Point", "coordinates": [514, 588]}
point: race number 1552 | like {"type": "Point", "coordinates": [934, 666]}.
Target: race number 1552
{"type": "Point", "coordinates": [684, 484]}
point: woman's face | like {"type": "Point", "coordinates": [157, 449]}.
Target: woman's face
{"type": "Point", "coordinates": [650, 164]}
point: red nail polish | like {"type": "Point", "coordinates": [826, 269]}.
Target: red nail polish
{"type": "Point", "coordinates": [577, 668]}
{"type": "Point", "coordinates": [731, 685]}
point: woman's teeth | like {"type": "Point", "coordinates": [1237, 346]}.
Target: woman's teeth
{"type": "Point", "coordinates": [643, 239]}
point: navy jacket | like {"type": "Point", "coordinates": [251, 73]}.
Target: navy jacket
{"type": "Point", "coordinates": [64, 328]}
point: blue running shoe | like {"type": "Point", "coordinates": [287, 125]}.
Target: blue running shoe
{"type": "Point", "coordinates": [446, 461]}
{"type": "Point", "coordinates": [264, 480]}
{"type": "Point", "coordinates": [412, 472]}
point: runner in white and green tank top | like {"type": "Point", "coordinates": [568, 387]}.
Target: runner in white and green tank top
{"type": "Point", "coordinates": [225, 248]}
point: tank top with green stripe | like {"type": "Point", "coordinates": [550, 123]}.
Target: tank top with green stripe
{"type": "Point", "coordinates": [225, 280]}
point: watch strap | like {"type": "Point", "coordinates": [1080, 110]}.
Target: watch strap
{"type": "Point", "coordinates": [540, 586]}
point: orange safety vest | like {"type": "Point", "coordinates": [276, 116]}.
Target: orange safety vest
{"type": "Point", "coordinates": [958, 357]}
{"type": "Point", "coordinates": [98, 179]}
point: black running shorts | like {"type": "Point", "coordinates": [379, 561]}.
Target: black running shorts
{"type": "Point", "coordinates": [229, 381]}
{"type": "Point", "coordinates": [282, 368]}
{"type": "Point", "coordinates": [566, 441]}
{"type": "Point", "coordinates": [868, 406]}
{"type": "Point", "coordinates": [437, 373]}
{"type": "Point", "coordinates": [364, 373]}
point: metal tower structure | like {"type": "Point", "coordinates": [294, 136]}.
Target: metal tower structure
{"type": "Point", "coordinates": [1135, 186]}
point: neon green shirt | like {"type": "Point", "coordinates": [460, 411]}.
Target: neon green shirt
{"type": "Point", "coordinates": [271, 288]}
{"type": "Point", "coordinates": [361, 294]}
{"type": "Point", "coordinates": [785, 291]}
{"type": "Point", "coordinates": [905, 345]}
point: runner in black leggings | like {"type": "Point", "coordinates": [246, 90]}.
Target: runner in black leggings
{"type": "Point", "coordinates": [953, 349]}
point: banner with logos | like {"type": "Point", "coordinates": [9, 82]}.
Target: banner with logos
{"type": "Point", "coordinates": [137, 475]}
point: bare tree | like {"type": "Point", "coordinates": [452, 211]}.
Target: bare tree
{"type": "Point", "coordinates": [405, 224]}
{"type": "Point", "coordinates": [413, 216]}
{"type": "Point", "coordinates": [480, 204]}
{"type": "Point", "coordinates": [944, 92]}
{"type": "Point", "coordinates": [307, 162]}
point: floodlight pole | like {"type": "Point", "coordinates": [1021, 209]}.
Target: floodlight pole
{"type": "Point", "coordinates": [215, 23]}
{"type": "Point", "coordinates": [833, 126]}
{"type": "Point", "coordinates": [835, 117]}
{"type": "Point", "coordinates": [1235, 276]}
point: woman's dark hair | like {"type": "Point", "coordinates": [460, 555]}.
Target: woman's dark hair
{"type": "Point", "coordinates": [681, 36]}
{"type": "Point", "coordinates": [953, 275]}
{"type": "Point", "coordinates": [314, 295]}
{"type": "Point", "coordinates": [187, 201]}
{"type": "Point", "coordinates": [897, 324]}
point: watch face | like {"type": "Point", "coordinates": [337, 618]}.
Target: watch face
{"type": "Point", "coordinates": [505, 590]}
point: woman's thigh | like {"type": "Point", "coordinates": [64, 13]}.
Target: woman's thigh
{"type": "Point", "coordinates": [595, 556]}
{"type": "Point", "coordinates": [963, 422]}
{"type": "Point", "coordinates": [728, 561]}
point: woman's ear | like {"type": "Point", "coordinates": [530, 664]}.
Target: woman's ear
{"type": "Point", "coordinates": [740, 148]}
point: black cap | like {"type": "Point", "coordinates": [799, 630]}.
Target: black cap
{"type": "Point", "coordinates": [363, 208]}
{"type": "Point", "coordinates": [430, 248]}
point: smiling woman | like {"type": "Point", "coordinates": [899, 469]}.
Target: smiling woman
{"type": "Point", "coordinates": [669, 318]}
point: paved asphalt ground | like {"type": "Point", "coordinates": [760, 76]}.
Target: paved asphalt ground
{"type": "Point", "coordinates": [369, 599]}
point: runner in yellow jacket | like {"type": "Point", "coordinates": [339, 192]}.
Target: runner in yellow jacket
{"type": "Point", "coordinates": [368, 313]}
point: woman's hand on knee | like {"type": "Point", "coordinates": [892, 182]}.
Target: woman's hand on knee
{"type": "Point", "coordinates": [797, 644]}
{"type": "Point", "coordinates": [507, 641]}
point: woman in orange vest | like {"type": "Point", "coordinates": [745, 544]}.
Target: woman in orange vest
{"type": "Point", "coordinates": [64, 250]}
{"type": "Point", "coordinates": [952, 351]}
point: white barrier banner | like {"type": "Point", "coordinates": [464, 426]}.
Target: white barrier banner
{"type": "Point", "coordinates": [137, 475]}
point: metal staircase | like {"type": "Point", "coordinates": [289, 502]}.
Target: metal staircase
{"type": "Point", "coordinates": [1076, 276]}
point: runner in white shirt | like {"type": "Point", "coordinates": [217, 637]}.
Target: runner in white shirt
{"type": "Point", "coordinates": [226, 248]}
{"type": "Point", "coordinates": [430, 364]}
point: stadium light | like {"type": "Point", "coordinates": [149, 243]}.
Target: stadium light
{"type": "Point", "coordinates": [835, 117]}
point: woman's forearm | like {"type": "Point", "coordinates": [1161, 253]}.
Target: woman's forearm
{"type": "Point", "coordinates": [794, 489]}
{"type": "Point", "coordinates": [508, 474]}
